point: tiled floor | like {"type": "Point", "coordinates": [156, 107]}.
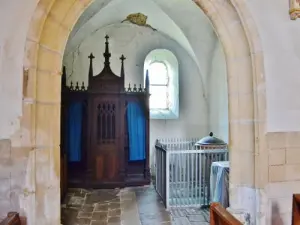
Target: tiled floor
{"type": "Point", "coordinates": [129, 206]}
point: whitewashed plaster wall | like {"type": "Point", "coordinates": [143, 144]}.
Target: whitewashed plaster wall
{"type": "Point", "coordinates": [218, 95]}
{"type": "Point", "coordinates": [117, 10]}
{"type": "Point", "coordinates": [278, 33]}
{"type": "Point", "coordinates": [13, 14]}
{"type": "Point", "coordinates": [12, 44]}
{"type": "Point", "coordinates": [135, 43]}
{"type": "Point", "coordinates": [280, 43]}
{"type": "Point", "coordinates": [197, 29]}
{"type": "Point", "coordinates": [194, 33]}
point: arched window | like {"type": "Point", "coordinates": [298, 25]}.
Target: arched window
{"type": "Point", "coordinates": [162, 67]}
{"type": "Point", "coordinates": [159, 82]}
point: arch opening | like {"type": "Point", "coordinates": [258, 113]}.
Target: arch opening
{"type": "Point", "coordinates": [47, 39]}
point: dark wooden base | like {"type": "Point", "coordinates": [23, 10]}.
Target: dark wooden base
{"type": "Point", "coordinates": [135, 175]}
{"type": "Point", "coordinates": [135, 180]}
{"type": "Point", "coordinates": [81, 180]}
{"type": "Point", "coordinates": [109, 185]}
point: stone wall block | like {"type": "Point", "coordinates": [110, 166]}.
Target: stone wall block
{"type": "Point", "coordinates": [288, 172]}
{"type": "Point", "coordinates": [277, 173]}
{"type": "Point", "coordinates": [292, 172]}
{"type": "Point", "coordinates": [277, 140]}
{"type": "Point", "coordinates": [51, 87]}
{"type": "Point", "coordinates": [277, 157]}
{"type": "Point", "coordinates": [293, 139]}
{"type": "Point", "coordinates": [238, 161]}
{"type": "Point", "coordinates": [49, 60]}
{"type": "Point", "coordinates": [73, 14]}
{"type": "Point", "coordinates": [38, 19]}
{"type": "Point", "coordinates": [42, 165]}
{"type": "Point", "coordinates": [293, 155]}
{"type": "Point", "coordinates": [261, 170]}
{"type": "Point", "coordinates": [55, 157]}
{"type": "Point", "coordinates": [59, 8]}
{"type": "Point", "coordinates": [54, 35]}
{"type": "Point", "coordinates": [48, 130]}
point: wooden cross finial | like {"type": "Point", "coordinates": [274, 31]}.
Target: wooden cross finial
{"type": "Point", "coordinates": [122, 58]}
{"type": "Point", "coordinates": [106, 54]}
{"type": "Point", "coordinates": [91, 56]}
{"type": "Point", "coordinates": [122, 65]}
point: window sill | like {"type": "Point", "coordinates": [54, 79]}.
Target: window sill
{"type": "Point", "coordinates": [163, 114]}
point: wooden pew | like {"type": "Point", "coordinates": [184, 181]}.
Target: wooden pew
{"type": "Point", "coordinates": [296, 210]}
{"type": "Point", "coordinates": [13, 218]}
{"type": "Point", "coordinates": [220, 216]}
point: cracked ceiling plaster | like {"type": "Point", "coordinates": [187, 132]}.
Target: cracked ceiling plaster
{"type": "Point", "coordinates": [180, 20]}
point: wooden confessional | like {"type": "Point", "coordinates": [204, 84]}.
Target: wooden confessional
{"type": "Point", "coordinates": [104, 161]}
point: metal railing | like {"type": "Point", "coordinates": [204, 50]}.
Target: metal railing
{"type": "Point", "coordinates": [183, 173]}
{"type": "Point", "coordinates": [161, 181]}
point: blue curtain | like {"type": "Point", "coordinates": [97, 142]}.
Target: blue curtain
{"type": "Point", "coordinates": [136, 131]}
{"type": "Point", "coordinates": [74, 131]}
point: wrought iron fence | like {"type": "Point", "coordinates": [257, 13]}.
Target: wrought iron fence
{"type": "Point", "coordinates": [183, 173]}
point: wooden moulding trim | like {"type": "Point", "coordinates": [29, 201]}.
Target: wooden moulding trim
{"type": "Point", "coordinates": [296, 210]}
{"type": "Point", "coordinates": [220, 216]}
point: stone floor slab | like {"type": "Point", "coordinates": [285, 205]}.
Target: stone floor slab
{"type": "Point", "coordinates": [129, 206]}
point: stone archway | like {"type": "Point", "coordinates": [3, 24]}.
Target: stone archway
{"type": "Point", "coordinates": [50, 27]}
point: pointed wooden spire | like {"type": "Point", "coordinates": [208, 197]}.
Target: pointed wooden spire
{"type": "Point", "coordinates": [106, 54]}
{"type": "Point", "coordinates": [91, 72]}
{"type": "Point", "coordinates": [122, 66]}
{"type": "Point", "coordinates": [147, 84]}
{"type": "Point", "coordinates": [64, 77]}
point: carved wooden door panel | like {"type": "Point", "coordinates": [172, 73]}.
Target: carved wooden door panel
{"type": "Point", "coordinates": [105, 138]}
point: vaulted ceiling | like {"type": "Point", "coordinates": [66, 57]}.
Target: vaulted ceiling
{"type": "Point", "coordinates": [180, 20]}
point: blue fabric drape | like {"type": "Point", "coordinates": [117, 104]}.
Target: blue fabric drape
{"type": "Point", "coordinates": [136, 131]}
{"type": "Point", "coordinates": [74, 130]}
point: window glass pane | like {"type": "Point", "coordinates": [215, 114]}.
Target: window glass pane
{"type": "Point", "coordinates": [158, 98]}
{"type": "Point", "coordinates": [158, 73]}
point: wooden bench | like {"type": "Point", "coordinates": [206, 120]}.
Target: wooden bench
{"type": "Point", "coordinates": [220, 216]}
{"type": "Point", "coordinates": [13, 218]}
{"type": "Point", "coordinates": [296, 210]}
